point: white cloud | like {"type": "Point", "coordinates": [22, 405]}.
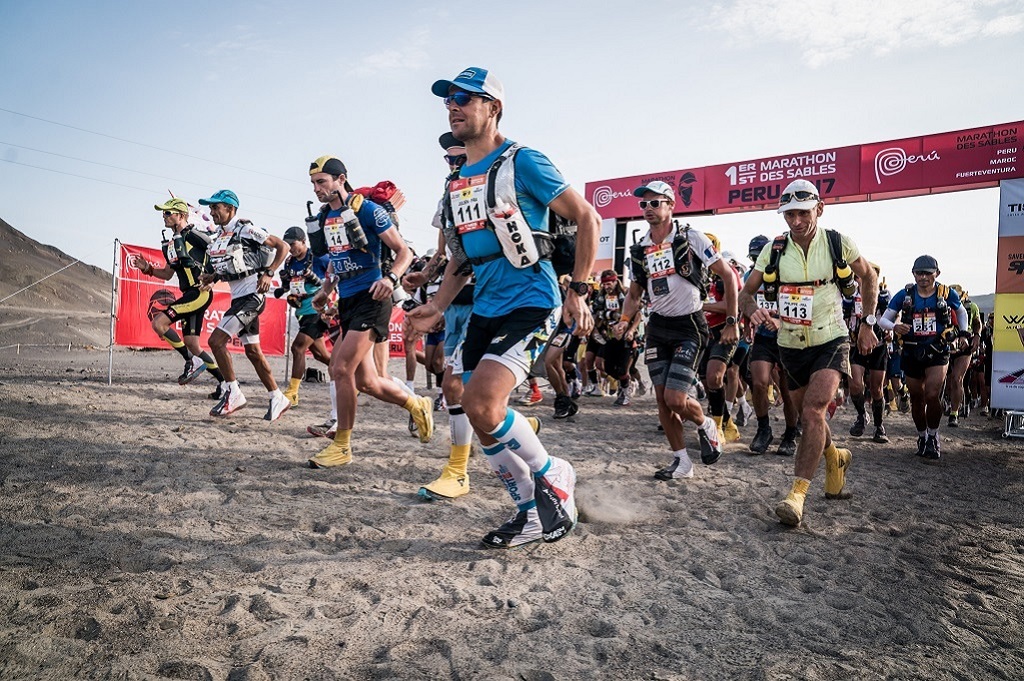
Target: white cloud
{"type": "Point", "coordinates": [832, 30]}
{"type": "Point", "coordinates": [412, 55]}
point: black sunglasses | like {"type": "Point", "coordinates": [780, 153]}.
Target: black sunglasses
{"type": "Point", "coordinates": [798, 196]}
{"type": "Point", "coordinates": [461, 98]}
{"type": "Point", "coordinates": [921, 273]}
{"type": "Point", "coordinates": [455, 160]}
{"type": "Point", "coordinates": [168, 213]}
{"type": "Point", "coordinates": [653, 203]}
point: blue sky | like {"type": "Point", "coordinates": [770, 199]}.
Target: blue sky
{"type": "Point", "coordinates": [247, 94]}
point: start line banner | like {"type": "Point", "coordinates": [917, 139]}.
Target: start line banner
{"type": "Point", "coordinates": [141, 297]}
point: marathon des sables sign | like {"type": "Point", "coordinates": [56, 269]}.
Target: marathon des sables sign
{"type": "Point", "coordinates": [987, 138]}
{"type": "Point", "coordinates": [760, 182]}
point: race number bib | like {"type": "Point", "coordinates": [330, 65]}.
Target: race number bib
{"type": "Point", "coordinates": [858, 306]}
{"type": "Point", "coordinates": [337, 237]}
{"type": "Point", "coordinates": [467, 199]}
{"type": "Point", "coordinates": [219, 247]}
{"type": "Point", "coordinates": [795, 304]}
{"type": "Point", "coordinates": [297, 286]}
{"type": "Point", "coordinates": [924, 324]}
{"type": "Point", "coordinates": [765, 304]}
{"type": "Point", "coordinates": [611, 304]}
{"type": "Point", "coordinates": [659, 266]}
{"type": "Point", "coordinates": [172, 255]}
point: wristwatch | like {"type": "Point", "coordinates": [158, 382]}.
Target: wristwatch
{"type": "Point", "coordinates": [394, 279]}
{"type": "Point", "coordinates": [580, 288]}
{"type": "Point", "coordinates": [871, 320]}
{"type": "Point", "coordinates": [730, 320]}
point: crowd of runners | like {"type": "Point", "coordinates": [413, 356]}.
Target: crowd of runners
{"type": "Point", "coordinates": [802, 324]}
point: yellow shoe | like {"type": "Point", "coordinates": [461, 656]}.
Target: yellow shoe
{"type": "Point", "coordinates": [451, 484]}
{"type": "Point", "coordinates": [791, 509]}
{"type": "Point", "coordinates": [534, 422]}
{"type": "Point", "coordinates": [718, 424]}
{"type": "Point", "coordinates": [334, 455]}
{"type": "Point", "coordinates": [730, 432]}
{"type": "Point", "coordinates": [422, 413]}
{"type": "Point", "coordinates": [837, 462]}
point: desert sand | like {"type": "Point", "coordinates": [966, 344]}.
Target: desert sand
{"type": "Point", "coordinates": [143, 539]}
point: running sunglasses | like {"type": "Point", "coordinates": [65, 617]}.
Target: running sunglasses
{"type": "Point", "coordinates": [921, 273]}
{"type": "Point", "coordinates": [168, 213]}
{"type": "Point", "coordinates": [653, 203]}
{"type": "Point", "coordinates": [797, 196]}
{"type": "Point", "coordinates": [461, 98]}
{"type": "Point", "coordinates": [455, 160]}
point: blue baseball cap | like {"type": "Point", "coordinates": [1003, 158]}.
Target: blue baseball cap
{"type": "Point", "coordinates": [474, 79]}
{"type": "Point", "coordinates": [223, 196]}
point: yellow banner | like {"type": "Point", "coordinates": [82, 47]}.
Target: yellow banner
{"type": "Point", "coordinates": [1008, 329]}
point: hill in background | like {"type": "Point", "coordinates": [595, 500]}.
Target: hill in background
{"type": "Point", "coordinates": [70, 307]}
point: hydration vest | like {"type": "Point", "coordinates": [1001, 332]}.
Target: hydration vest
{"type": "Point", "coordinates": [353, 231]}
{"type": "Point", "coordinates": [240, 262]}
{"type": "Point", "coordinates": [687, 265]}
{"type": "Point", "coordinates": [520, 244]}
{"type": "Point", "coordinates": [943, 314]}
{"type": "Point", "coordinates": [842, 275]}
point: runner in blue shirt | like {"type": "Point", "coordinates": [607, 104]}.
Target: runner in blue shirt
{"type": "Point", "coordinates": [516, 301]}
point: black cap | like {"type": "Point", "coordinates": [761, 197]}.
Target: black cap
{"type": "Point", "coordinates": [449, 140]}
{"type": "Point", "coordinates": [293, 234]}
{"type": "Point", "coordinates": [925, 263]}
{"type": "Point", "coordinates": [757, 244]}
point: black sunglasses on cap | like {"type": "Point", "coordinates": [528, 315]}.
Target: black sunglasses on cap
{"type": "Point", "coordinates": [797, 196]}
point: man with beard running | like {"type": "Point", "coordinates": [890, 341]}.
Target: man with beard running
{"type": "Point", "coordinates": [496, 219]}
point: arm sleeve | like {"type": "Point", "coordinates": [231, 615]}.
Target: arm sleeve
{"type": "Point", "coordinates": [888, 320]}
{"type": "Point", "coordinates": [961, 318]}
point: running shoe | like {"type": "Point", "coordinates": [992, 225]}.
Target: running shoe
{"type": "Point", "coordinates": [788, 445]}
{"type": "Point", "coordinates": [279, 404]}
{"type": "Point", "coordinates": [450, 485]}
{"type": "Point", "coordinates": [836, 466]}
{"type": "Point", "coordinates": [333, 455]}
{"type": "Point", "coordinates": [193, 367]}
{"type": "Point", "coordinates": [230, 402]}
{"type": "Point", "coordinates": [531, 397]}
{"type": "Point", "coordinates": [423, 416]}
{"type": "Point", "coordinates": [931, 448]}
{"type": "Point", "coordinates": [535, 423]}
{"type": "Point", "coordinates": [762, 439]}
{"type": "Point", "coordinates": [623, 398]}
{"type": "Point", "coordinates": [576, 389]}
{"type": "Point", "coordinates": [791, 509]}
{"type": "Point", "coordinates": [217, 393]}
{"type": "Point", "coordinates": [439, 403]}
{"type": "Point", "coordinates": [954, 420]}
{"type": "Point", "coordinates": [413, 428]}
{"type": "Point", "coordinates": [641, 387]}
{"type": "Point", "coordinates": [556, 502]}
{"type": "Point", "coordinates": [857, 429]}
{"type": "Point", "coordinates": [903, 403]}
{"type": "Point", "coordinates": [880, 435]}
{"type": "Point", "coordinates": [710, 445]}
{"type": "Point", "coordinates": [679, 469]}
{"type": "Point", "coordinates": [563, 404]}
{"type": "Point", "coordinates": [730, 432]}
{"type": "Point", "coordinates": [321, 429]}
{"type": "Point", "coordinates": [292, 394]}
{"type": "Point", "coordinates": [593, 390]}
{"type": "Point", "coordinates": [921, 441]}
{"type": "Point", "coordinates": [743, 414]}
{"type": "Point", "coordinates": [522, 528]}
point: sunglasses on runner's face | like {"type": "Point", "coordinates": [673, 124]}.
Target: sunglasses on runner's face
{"type": "Point", "coordinates": [797, 196]}
{"type": "Point", "coordinates": [924, 273]}
{"type": "Point", "coordinates": [168, 213]}
{"type": "Point", "coordinates": [653, 203]}
{"type": "Point", "coordinates": [455, 160]}
{"type": "Point", "coordinates": [461, 98]}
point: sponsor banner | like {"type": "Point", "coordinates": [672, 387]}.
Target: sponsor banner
{"type": "Point", "coordinates": [606, 241]}
{"type": "Point", "coordinates": [1007, 380]}
{"type": "Point", "coordinates": [948, 159]}
{"type": "Point", "coordinates": [1011, 208]}
{"type": "Point", "coordinates": [1010, 264]}
{"type": "Point", "coordinates": [757, 184]}
{"type": "Point", "coordinates": [1008, 329]}
{"type": "Point", "coordinates": [614, 198]}
{"type": "Point", "coordinates": [141, 297]}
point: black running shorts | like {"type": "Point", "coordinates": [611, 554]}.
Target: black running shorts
{"type": "Point", "coordinates": [674, 348]}
{"type": "Point", "coordinates": [361, 312]}
{"type": "Point", "coordinates": [312, 325]}
{"type": "Point", "coordinates": [800, 363]}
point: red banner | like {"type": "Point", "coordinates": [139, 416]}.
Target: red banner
{"type": "Point", "coordinates": [614, 198]}
{"type": "Point", "coordinates": [140, 297]}
{"type": "Point", "coordinates": [917, 165]}
{"type": "Point", "coordinates": [757, 184]}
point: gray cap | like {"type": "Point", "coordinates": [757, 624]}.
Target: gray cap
{"type": "Point", "coordinates": [293, 234]}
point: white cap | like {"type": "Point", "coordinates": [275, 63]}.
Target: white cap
{"type": "Point", "coordinates": [789, 201]}
{"type": "Point", "coordinates": [658, 187]}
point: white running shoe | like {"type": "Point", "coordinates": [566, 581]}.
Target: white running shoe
{"type": "Point", "coordinates": [522, 528]}
{"type": "Point", "coordinates": [710, 446]}
{"type": "Point", "coordinates": [279, 404]}
{"type": "Point", "coordinates": [193, 368]}
{"type": "Point", "coordinates": [326, 429]}
{"type": "Point", "coordinates": [230, 401]}
{"type": "Point", "coordinates": [681, 468]}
